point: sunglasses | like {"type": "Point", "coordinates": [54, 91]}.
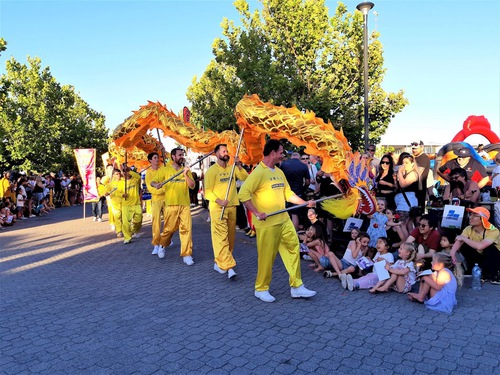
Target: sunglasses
{"type": "Point", "coordinates": [385, 162]}
{"type": "Point", "coordinates": [305, 158]}
{"type": "Point", "coordinates": [422, 225]}
{"type": "Point", "coordinates": [371, 150]}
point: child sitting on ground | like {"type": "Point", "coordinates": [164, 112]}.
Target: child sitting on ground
{"type": "Point", "coordinates": [318, 248]}
{"type": "Point", "coordinates": [438, 290]}
{"type": "Point", "coordinates": [6, 218]}
{"type": "Point", "coordinates": [447, 241]}
{"type": "Point", "coordinates": [402, 273]}
{"type": "Point", "coordinates": [355, 250]}
{"type": "Point", "coordinates": [42, 207]}
{"type": "Point", "coordinates": [371, 279]}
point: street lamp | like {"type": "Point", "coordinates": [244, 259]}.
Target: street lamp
{"type": "Point", "coordinates": [365, 8]}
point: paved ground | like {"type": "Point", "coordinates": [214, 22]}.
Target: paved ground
{"type": "Point", "coordinates": [75, 300]}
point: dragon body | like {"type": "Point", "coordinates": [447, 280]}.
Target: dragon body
{"type": "Point", "coordinates": [259, 120]}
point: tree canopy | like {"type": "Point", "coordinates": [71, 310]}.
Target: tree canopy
{"type": "Point", "coordinates": [293, 53]}
{"type": "Point", "coordinates": [42, 121]}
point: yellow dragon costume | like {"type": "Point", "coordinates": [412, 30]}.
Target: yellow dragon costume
{"type": "Point", "coordinates": [258, 119]}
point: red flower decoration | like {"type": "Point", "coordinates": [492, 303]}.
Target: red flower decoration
{"type": "Point", "coordinates": [375, 225]}
{"type": "Point", "coordinates": [397, 216]}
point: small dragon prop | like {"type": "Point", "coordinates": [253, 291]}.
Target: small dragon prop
{"type": "Point", "coordinates": [259, 120]}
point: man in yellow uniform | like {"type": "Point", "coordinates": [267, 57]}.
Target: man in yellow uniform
{"type": "Point", "coordinates": [265, 191]}
{"type": "Point", "coordinates": [223, 231]}
{"type": "Point", "coordinates": [131, 204]}
{"type": "Point", "coordinates": [157, 199]}
{"type": "Point", "coordinates": [5, 186]}
{"type": "Point", "coordinates": [116, 200]}
{"type": "Point", "coordinates": [177, 212]}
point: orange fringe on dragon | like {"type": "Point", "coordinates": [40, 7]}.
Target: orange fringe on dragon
{"type": "Point", "coordinates": [258, 119]}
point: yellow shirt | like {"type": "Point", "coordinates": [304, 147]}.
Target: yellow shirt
{"type": "Point", "coordinates": [177, 190]}
{"type": "Point", "coordinates": [268, 189]}
{"type": "Point", "coordinates": [132, 190]}
{"type": "Point", "coordinates": [101, 190]}
{"type": "Point", "coordinates": [4, 187]}
{"type": "Point", "coordinates": [156, 194]}
{"type": "Point", "coordinates": [116, 195]}
{"type": "Point", "coordinates": [489, 234]}
{"type": "Point", "coordinates": [216, 180]}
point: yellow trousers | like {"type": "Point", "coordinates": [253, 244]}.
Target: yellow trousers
{"type": "Point", "coordinates": [178, 217]}
{"type": "Point", "coordinates": [110, 211]}
{"type": "Point", "coordinates": [223, 234]}
{"type": "Point", "coordinates": [131, 221]}
{"type": "Point", "coordinates": [157, 210]}
{"type": "Point", "coordinates": [280, 238]}
{"type": "Point", "coordinates": [117, 215]}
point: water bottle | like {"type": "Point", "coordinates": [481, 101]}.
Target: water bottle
{"type": "Point", "coordinates": [476, 277]}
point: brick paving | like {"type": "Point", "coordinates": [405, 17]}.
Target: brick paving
{"type": "Point", "coordinates": [75, 300]}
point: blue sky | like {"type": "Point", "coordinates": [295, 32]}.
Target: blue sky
{"type": "Point", "coordinates": [120, 54]}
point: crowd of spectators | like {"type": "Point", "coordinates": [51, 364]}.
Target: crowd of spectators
{"type": "Point", "coordinates": [27, 196]}
{"type": "Point", "coordinates": [406, 225]}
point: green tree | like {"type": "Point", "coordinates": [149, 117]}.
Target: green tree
{"type": "Point", "coordinates": [293, 53]}
{"type": "Point", "coordinates": [3, 45]}
{"type": "Point", "coordinates": [42, 121]}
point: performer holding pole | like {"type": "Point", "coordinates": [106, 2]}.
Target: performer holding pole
{"type": "Point", "coordinates": [157, 199]}
{"type": "Point", "coordinates": [177, 212]}
{"type": "Point", "coordinates": [220, 190]}
{"type": "Point", "coordinates": [265, 190]}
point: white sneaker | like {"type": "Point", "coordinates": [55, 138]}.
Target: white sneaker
{"type": "Point", "coordinates": [161, 252]}
{"type": "Point", "coordinates": [264, 296]}
{"type": "Point", "coordinates": [216, 268]}
{"type": "Point", "coordinates": [350, 282]}
{"type": "Point", "coordinates": [302, 292]}
{"type": "Point", "coordinates": [94, 219]}
{"type": "Point", "coordinates": [155, 250]}
{"type": "Point", "coordinates": [343, 280]}
{"type": "Point", "coordinates": [231, 274]}
{"type": "Point", "coordinates": [136, 235]}
{"type": "Point", "coordinates": [126, 241]}
{"type": "Point", "coordinates": [188, 260]}
{"type": "Point", "coordinates": [99, 220]}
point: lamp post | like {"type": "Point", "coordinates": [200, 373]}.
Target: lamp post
{"type": "Point", "coordinates": [365, 8]}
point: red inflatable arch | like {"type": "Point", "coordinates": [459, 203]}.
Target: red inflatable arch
{"type": "Point", "coordinates": [476, 125]}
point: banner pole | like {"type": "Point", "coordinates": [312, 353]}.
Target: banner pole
{"type": "Point", "coordinates": [231, 176]}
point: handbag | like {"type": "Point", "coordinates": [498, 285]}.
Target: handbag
{"type": "Point", "coordinates": [415, 211]}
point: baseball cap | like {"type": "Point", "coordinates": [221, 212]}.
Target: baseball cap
{"type": "Point", "coordinates": [463, 152]}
